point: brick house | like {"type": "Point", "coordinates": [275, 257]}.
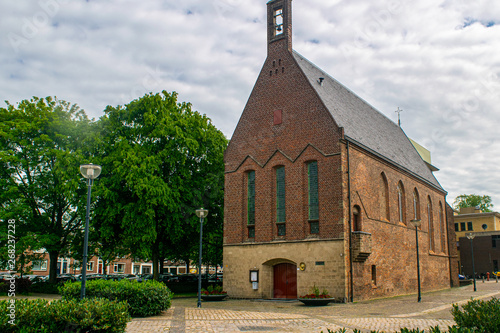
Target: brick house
{"type": "Point", "coordinates": [320, 189]}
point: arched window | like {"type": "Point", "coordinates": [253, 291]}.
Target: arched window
{"type": "Point", "coordinates": [416, 205]}
{"type": "Point", "coordinates": [442, 229]}
{"type": "Point", "coordinates": [251, 203]}
{"type": "Point", "coordinates": [431, 224]}
{"type": "Point", "coordinates": [313, 196]}
{"type": "Point", "coordinates": [280, 201]}
{"type": "Point", "coordinates": [356, 218]}
{"type": "Point", "coordinates": [401, 202]}
{"type": "Point", "coordinates": [384, 198]}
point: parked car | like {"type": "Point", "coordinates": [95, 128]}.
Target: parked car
{"type": "Point", "coordinates": [95, 277]}
{"type": "Point", "coordinates": [121, 276]}
{"type": "Point", "coordinates": [65, 277]}
{"type": "Point", "coordinates": [187, 277]}
{"type": "Point", "coordinates": [36, 278]}
{"type": "Point", "coordinates": [168, 278]}
{"type": "Point", "coordinates": [215, 278]}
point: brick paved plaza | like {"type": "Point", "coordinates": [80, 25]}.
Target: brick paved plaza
{"type": "Point", "coordinates": [292, 316]}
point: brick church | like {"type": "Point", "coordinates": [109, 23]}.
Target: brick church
{"type": "Point", "coordinates": [320, 189]}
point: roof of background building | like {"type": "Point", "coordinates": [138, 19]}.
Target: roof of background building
{"type": "Point", "coordinates": [364, 125]}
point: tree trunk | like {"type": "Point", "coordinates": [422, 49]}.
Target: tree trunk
{"type": "Point", "coordinates": [162, 262]}
{"type": "Point", "coordinates": [53, 256]}
{"type": "Point", "coordinates": [156, 257]}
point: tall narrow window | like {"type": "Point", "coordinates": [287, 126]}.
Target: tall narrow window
{"type": "Point", "coordinates": [416, 205]}
{"type": "Point", "coordinates": [384, 198]}
{"type": "Point", "coordinates": [374, 274]}
{"type": "Point", "coordinates": [431, 224]}
{"type": "Point", "coordinates": [312, 172]}
{"type": "Point", "coordinates": [280, 201]}
{"type": "Point", "coordinates": [280, 195]}
{"type": "Point", "coordinates": [401, 202]}
{"type": "Point", "coordinates": [442, 228]}
{"type": "Point", "coordinates": [251, 198]}
{"type": "Point", "coordinates": [356, 218]}
{"type": "Point", "coordinates": [278, 22]}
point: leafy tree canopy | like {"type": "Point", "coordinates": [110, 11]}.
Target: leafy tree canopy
{"type": "Point", "coordinates": [41, 148]}
{"type": "Point", "coordinates": [473, 200]}
{"type": "Point", "coordinates": [161, 160]}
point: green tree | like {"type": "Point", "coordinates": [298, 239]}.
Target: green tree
{"type": "Point", "coordinates": [41, 189]}
{"type": "Point", "coordinates": [161, 161]}
{"type": "Point", "coordinates": [473, 200]}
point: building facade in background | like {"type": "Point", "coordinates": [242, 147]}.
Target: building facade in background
{"type": "Point", "coordinates": [486, 229]}
{"type": "Point", "coordinates": [320, 189]}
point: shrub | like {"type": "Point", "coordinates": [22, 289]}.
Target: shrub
{"type": "Point", "coordinates": [484, 316]}
{"type": "Point", "coordinates": [45, 287]}
{"type": "Point", "coordinates": [144, 299]}
{"type": "Point", "coordinates": [22, 286]}
{"type": "Point", "coordinates": [211, 290]}
{"type": "Point", "coordinates": [316, 294]}
{"type": "Point", "coordinates": [88, 315]}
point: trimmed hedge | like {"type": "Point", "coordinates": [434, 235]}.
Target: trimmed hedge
{"type": "Point", "coordinates": [42, 316]}
{"type": "Point", "coordinates": [483, 316]}
{"type": "Point", "coordinates": [22, 286]}
{"type": "Point", "coordinates": [45, 287]}
{"type": "Point", "coordinates": [476, 316]}
{"type": "Point", "coordinates": [144, 299]}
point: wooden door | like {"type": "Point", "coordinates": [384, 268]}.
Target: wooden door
{"type": "Point", "coordinates": [285, 281]}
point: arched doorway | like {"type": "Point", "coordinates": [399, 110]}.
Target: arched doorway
{"type": "Point", "coordinates": [285, 281]}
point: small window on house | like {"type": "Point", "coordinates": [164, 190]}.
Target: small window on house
{"type": "Point", "coordinates": [456, 227]}
{"type": "Point", "coordinates": [462, 226]}
{"type": "Point", "coordinates": [119, 268]}
{"type": "Point", "coordinates": [90, 266]}
{"type": "Point", "coordinates": [469, 225]}
{"type": "Point", "coordinates": [281, 229]}
{"type": "Point", "coordinates": [39, 265]}
{"type": "Point", "coordinates": [278, 22]}
{"type": "Point", "coordinates": [494, 240]}
{"type": "Point", "coordinates": [251, 232]}
{"type": "Point", "coordinates": [374, 275]}
{"type": "Point", "coordinates": [314, 227]}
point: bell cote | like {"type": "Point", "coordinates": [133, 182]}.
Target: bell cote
{"type": "Point", "coordinates": [279, 25]}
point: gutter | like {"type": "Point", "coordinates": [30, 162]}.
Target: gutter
{"type": "Point", "coordinates": [351, 280]}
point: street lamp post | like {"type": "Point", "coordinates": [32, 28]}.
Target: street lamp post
{"type": "Point", "coordinates": [89, 172]}
{"type": "Point", "coordinates": [201, 213]}
{"type": "Point", "coordinates": [471, 236]}
{"type": "Point", "coordinates": [416, 223]}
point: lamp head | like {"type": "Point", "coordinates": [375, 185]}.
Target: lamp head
{"type": "Point", "coordinates": [471, 236]}
{"type": "Point", "coordinates": [416, 223]}
{"type": "Point", "coordinates": [201, 213]}
{"type": "Point", "coordinates": [90, 171]}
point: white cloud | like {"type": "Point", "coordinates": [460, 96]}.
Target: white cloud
{"type": "Point", "coordinates": [438, 61]}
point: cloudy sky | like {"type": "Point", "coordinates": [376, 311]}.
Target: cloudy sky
{"type": "Point", "coordinates": [438, 61]}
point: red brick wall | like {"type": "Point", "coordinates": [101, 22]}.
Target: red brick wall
{"type": "Point", "coordinates": [393, 242]}
{"type": "Point", "coordinates": [307, 132]}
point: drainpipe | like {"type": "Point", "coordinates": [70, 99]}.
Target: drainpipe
{"type": "Point", "coordinates": [351, 281]}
